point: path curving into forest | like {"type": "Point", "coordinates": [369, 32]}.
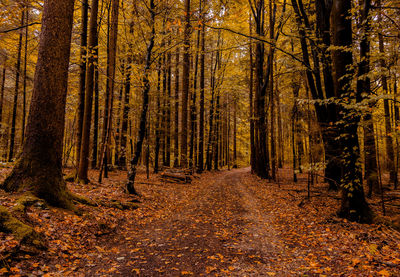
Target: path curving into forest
{"type": "Point", "coordinates": [217, 225]}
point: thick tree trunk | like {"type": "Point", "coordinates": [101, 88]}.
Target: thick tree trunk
{"type": "Point", "coordinates": [87, 118]}
{"type": "Point", "coordinates": [82, 78]}
{"type": "Point", "coordinates": [354, 206]}
{"type": "Point", "coordinates": [40, 167]}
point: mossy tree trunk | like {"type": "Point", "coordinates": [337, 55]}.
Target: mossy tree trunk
{"type": "Point", "coordinates": [39, 168]}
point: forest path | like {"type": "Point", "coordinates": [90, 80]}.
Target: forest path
{"type": "Point", "coordinates": [218, 226]}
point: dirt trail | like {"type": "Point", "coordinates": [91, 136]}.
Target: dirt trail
{"type": "Point", "coordinates": [216, 226]}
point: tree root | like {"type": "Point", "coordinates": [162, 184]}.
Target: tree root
{"type": "Point", "coordinates": [27, 200]}
{"type": "Point", "coordinates": [24, 233]}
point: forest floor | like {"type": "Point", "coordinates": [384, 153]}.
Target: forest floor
{"type": "Point", "coordinates": [226, 223]}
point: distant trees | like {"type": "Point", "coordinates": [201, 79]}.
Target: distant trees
{"type": "Point", "coordinates": [270, 83]}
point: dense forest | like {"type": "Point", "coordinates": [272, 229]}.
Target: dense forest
{"type": "Point", "coordinates": [139, 97]}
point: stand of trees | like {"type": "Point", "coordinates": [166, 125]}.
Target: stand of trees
{"type": "Point", "coordinates": [201, 84]}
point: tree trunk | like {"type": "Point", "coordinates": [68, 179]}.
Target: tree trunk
{"type": "Point", "coordinates": [40, 167]}
{"type": "Point", "coordinates": [354, 206]}
{"type": "Point", "coordinates": [185, 84]}
{"type": "Point", "coordinates": [111, 65]}
{"type": "Point", "coordinates": [364, 88]}
{"type": "Point", "coordinates": [87, 118]}
{"type": "Point", "coordinates": [3, 83]}
{"type": "Point", "coordinates": [176, 121]}
{"type": "Point", "coordinates": [159, 121]}
{"type": "Point", "coordinates": [25, 77]}
{"type": "Point", "coordinates": [15, 102]}
{"type": "Point", "coordinates": [388, 126]}
{"type": "Point", "coordinates": [193, 114]}
{"type": "Point", "coordinates": [251, 100]}
{"type": "Point", "coordinates": [96, 105]}
{"type": "Point", "coordinates": [143, 118]}
{"type": "Point", "coordinates": [168, 110]}
{"type": "Point", "coordinates": [82, 77]}
{"type": "Point", "coordinates": [200, 163]}
{"type": "Point", "coordinates": [126, 108]}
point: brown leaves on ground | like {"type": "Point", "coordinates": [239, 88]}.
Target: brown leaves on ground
{"type": "Point", "coordinates": [226, 223]}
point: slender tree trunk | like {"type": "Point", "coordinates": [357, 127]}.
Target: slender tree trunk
{"type": "Point", "coordinates": [87, 115]}
{"type": "Point", "coordinates": [388, 126]}
{"type": "Point", "coordinates": [364, 87]}
{"type": "Point", "coordinates": [251, 100]}
{"type": "Point", "coordinates": [96, 104]}
{"type": "Point", "coordinates": [25, 77]}
{"type": "Point", "coordinates": [143, 118]}
{"type": "Point", "coordinates": [200, 163]}
{"type": "Point", "coordinates": [185, 84]}
{"type": "Point", "coordinates": [3, 82]}
{"type": "Point", "coordinates": [119, 116]}
{"type": "Point", "coordinates": [193, 114]}
{"type": "Point", "coordinates": [40, 167]}
{"type": "Point", "coordinates": [168, 111]}
{"type": "Point", "coordinates": [15, 102]}
{"type": "Point", "coordinates": [158, 123]}
{"type": "Point", "coordinates": [280, 131]}
{"type": "Point", "coordinates": [82, 77]}
{"type": "Point", "coordinates": [111, 65]}
{"type": "Point", "coordinates": [235, 133]}
{"type": "Point", "coordinates": [211, 115]}
{"type": "Point", "coordinates": [126, 107]}
{"type": "Point", "coordinates": [176, 121]}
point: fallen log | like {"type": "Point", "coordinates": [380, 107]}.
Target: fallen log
{"type": "Point", "coordinates": [176, 177]}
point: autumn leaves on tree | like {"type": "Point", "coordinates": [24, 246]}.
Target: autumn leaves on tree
{"type": "Point", "coordinates": [202, 85]}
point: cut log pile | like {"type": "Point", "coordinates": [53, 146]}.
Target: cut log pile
{"type": "Point", "coordinates": [173, 175]}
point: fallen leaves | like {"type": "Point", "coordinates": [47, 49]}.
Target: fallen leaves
{"type": "Point", "coordinates": [225, 223]}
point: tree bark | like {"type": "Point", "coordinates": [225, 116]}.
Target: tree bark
{"type": "Point", "coordinates": [176, 121]}
{"type": "Point", "coordinates": [15, 102]}
{"type": "Point", "coordinates": [3, 82]}
{"type": "Point", "coordinates": [25, 77]}
{"type": "Point", "coordinates": [354, 206]}
{"type": "Point", "coordinates": [111, 65]}
{"type": "Point", "coordinates": [126, 108]}
{"type": "Point", "coordinates": [364, 88]}
{"type": "Point", "coordinates": [39, 169]}
{"type": "Point", "coordinates": [87, 118]}
{"type": "Point", "coordinates": [82, 77]}
{"type": "Point", "coordinates": [200, 163]}
{"type": "Point", "coordinates": [143, 118]}
{"type": "Point", "coordinates": [185, 84]}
